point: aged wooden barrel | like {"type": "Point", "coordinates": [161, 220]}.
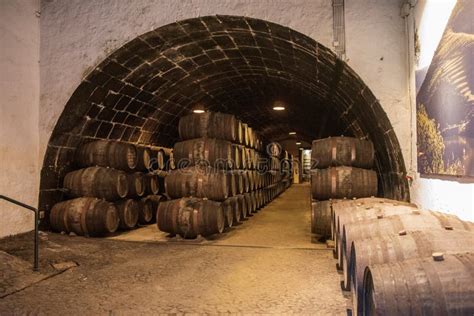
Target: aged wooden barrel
{"type": "Point", "coordinates": [237, 156]}
{"type": "Point", "coordinates": [415, 220]}
{"type": "Point", "coordinates": [145, 211]}
{"type": "Point", "coordinates": [442, 284]}
{"type": "Point", "coordinates": [128, 211]}
{"type": "Point", "coordinates": [239, 181]}
{"type": "Point", "coordinates": [105, 153]}
{"type": "Point", "coordinates": [242, 206]}
{"type": "Point", "coordinates": [136, 184]}
{"type": "Point", "coordinates": [342, 151]}
{"type": "Point", "coordinates": [400, 247]}
{"type": "Point", "coordinates": [203, 151]}
{"type": "Point", "coordinates": [85, 216]}
{"type": "Point", "coordinates": [160, 177]}
{"type": "Point", "coordinates": [100, 182]}
{"type": "Point", "coordinates": [152, 186]}
{"type": "Point", "coordinates": [228, 213]}
{"type": "Point", "coordinates": [343, 182]}
{"type": "Point", "coordinates": [245, 180]}
{"type": "Point", "coordinates": [144, 156]}
{"type": "Point", "coordinates": [245, 134]}
{"type": "Point", "coordinates": [171, 165]}
{"type": "Point", "coordinates": [155, 201]}
{"type": "Point", "coordinates": [250, 201]}
{"type": "Point", "coordinates": [238, 132]}
{"type": "Point", "coordinates": [208, 124]}
{"type": "Point", "coordinates": [234, 204]}
{"type": "Point", "coordinates": [251, 137]}
{"type": "Point", "coordinates": [365, 209]}
{"type": "Point", "coordinates": [159, 160]}
{"type": "Point", "coordinates": [321, 218]}
{"type": "Point", "coordinates": [190, 217]}
{"type": "Point", "coordinates": [231, 184]}
{"type": "Point", "coordinates": [203, 182]}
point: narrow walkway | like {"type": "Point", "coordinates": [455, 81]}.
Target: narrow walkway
{"type": "Point", "coordinates": [266, 265]}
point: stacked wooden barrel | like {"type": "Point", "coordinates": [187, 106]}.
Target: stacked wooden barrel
{"type": "Point", "coordinates": [119, 186]}
{"type": "Point", "coordinates": [340, 170]}
{"type": "Point", "coordinates": [392, 252]}
{"type": "Point", "coordinates": [220, 160]}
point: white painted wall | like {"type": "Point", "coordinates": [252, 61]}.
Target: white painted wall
{"type": "Point", "coordinates": [19, 99]}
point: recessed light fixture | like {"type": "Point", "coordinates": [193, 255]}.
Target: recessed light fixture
{"type": "Point", "coordinates": [292, 133]}
{"type": "Point", "coordinates": [298, 143]}
{"type": "Point", "coordinates": [199, 111]}
{"type": "Point", "coordinates": [279, 108]}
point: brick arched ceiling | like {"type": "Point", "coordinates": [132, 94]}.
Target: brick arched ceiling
{"type": "Point", "coordinates": [231, 64]}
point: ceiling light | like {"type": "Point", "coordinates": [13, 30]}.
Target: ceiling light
{"type": "Point", "coordinates": [292, 133]}
{"type": "Point", "coordinates": [199, 111]}
{"type": "Point", "coordinates": [279, 108]}
{"type": "Point", "coordinates": [298, 143]}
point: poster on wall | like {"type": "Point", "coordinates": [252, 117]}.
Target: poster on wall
{"type": "Point", "coordinates": [444, 83]}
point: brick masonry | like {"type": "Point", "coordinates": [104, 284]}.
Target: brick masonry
{"type": "Point", "coordinates": [231, 64]}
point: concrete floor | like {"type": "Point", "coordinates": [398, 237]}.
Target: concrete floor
{"type": "Point", "coordinates": [266, 265]}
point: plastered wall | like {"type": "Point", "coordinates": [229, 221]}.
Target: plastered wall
{"type": "Point", "coordinates": [19, 99]}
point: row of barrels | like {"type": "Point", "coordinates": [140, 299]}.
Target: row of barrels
{"type": "Point", "coordinates": [219, 126]}
{"type": "Point", "coordinates": [341, 168]}
{"type": "Point", "coordinates": [214, 184]}
{"type": "Point", "coordinates": [190, 217]}
{"type": "Point", "coordinates": [111, 184]}
{"type": "Point", "coordinates": [90, 216]}
{"type": "Point", "coordinates": [392, 252]}
{"type": "Point", "coordinates": [122, 156]}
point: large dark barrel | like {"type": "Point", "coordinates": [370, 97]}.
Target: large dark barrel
{"type": "Point", "coordinates": [100, 182]}
{"type": "Point", "coordinates": [152, 186]}
{"type": "Point", "coordinates": [159, 160]}
{"type": "Point", "coordinates": [190, 217]}
{"type": "Point", "coordinates": [203, 182]}
{"type": "Point", "coordinates": [203, 151]}
{"type": "Point", "coordinates": [321, 219]}
{"type": "Point", "coordinates": [136, 184]}
{"type": "Point", "coordinates": [208, 124]}
{"type": "Point", "coordinates": [231, 184]}
{"type": "Point", "coordinates": [343, 182]}
{"type": "Point", "coordinates": [245, 180]}
{"type": "Point", "coordinates": [250, 201]}
{"type": "Point", "coordinates": [400, 247]}
{"type": "Point", "coordinates": [234, 203]}
{"type": "Point", "coordinates": [105, 153]}
{"type": "Point", "coordinates": [239, 181]}
{"type": "Point", "coordinates": [228, 213]}
{"type": "Point", "coordinates": [242, 206]}
{"type": "Point", "coordinates": [145, 211]}
{"type": "Point", "coordinates": [342, 151]}
{"type": "Point", "coordinates": [128, 213]}
{"type": "Point", "coordinates": [144, 156]}
{"type": "Point", "coordinates": [155, 200]}
{"type": "Point", "coordinates": [415, 220]}
{"type": "Point", "coordinates": [85, 216]}
{"type": "Point", "coordinates": [438, 285]}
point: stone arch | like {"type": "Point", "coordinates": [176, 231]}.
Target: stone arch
{"type": "Point", "coordinates": [232, 64]}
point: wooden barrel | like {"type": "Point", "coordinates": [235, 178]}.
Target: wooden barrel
{"type": "Point", "coordinates": [128, 211]}
{"type": "Point", "coordinates": [152, 186]}
{"type": "Point", "coordinates": [438, 285]}
{"type": "Point", "coordinates": [253, 194]}
{"type": "Point", "coordinates": [171, 165]}
{"type": "Point", "coordinates": [251, 137]}
{"type": "Point", "coordinates": [145, 211]}
{"type": "Point", "coordinates": [415, 220]}
{"type": "Point", "coordinates": [136, 184]}
{"type": "Point", "coordinates": [85, 216]}
{"type": "Point", "coordinates": [243, 157]}
{"type": "Point", "coordinates": [144, 156]}
{"type": "Point", "coordinates": [238, 132]}
{"type": "Point", "coordinates": [203, 182]}
{"type": "Point", "coordinates": [228, 213]}
{"type": "Point", "coordinates": [396, 248]}
{"type": "Point", "coordinates": [234, 203]}
{"type": "Point", "coordinates": [343, 182]}
{"type": "Point", "coordinates": [105, 153]}
{"type": "Point", "coordinates": [321, 219]}
{"type": "Point", "coordinates": [242, 206]}
{"type": "Point", "coordinates": [100, 182]}
{"type": "Point", "coordinates": [190, 217]}
{"type": "Point", "coordinates": [159, 160]}
{"type": "Point", "coordinates": [365, 209]}
{"type": "Point", "coordinates": [245, 180]}
{"type": "Point", "coordinates": [203, 151]}
{"type": "Point", "coordinates": [236, 156]}
{"type": "Point", "coordinates": [342, 151]}
{"type": "Point", "coordinates": [250, 201]}
{"type": "Point", "coordinates": [239, 181]}
{"type": "Point", "coordinates": [245, 134]}
{"type": "Point", "coordinates": [231, 184]}
{"type": "Point", "coordinates": [208, 124]}
{"type": "Point", "coordinates": [155, 202]}
{"type": "Point", "coordinates": [160, 177]}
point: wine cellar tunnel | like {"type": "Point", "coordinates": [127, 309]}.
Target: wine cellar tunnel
{"type": "Point", "coordinates": [231, 64]}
